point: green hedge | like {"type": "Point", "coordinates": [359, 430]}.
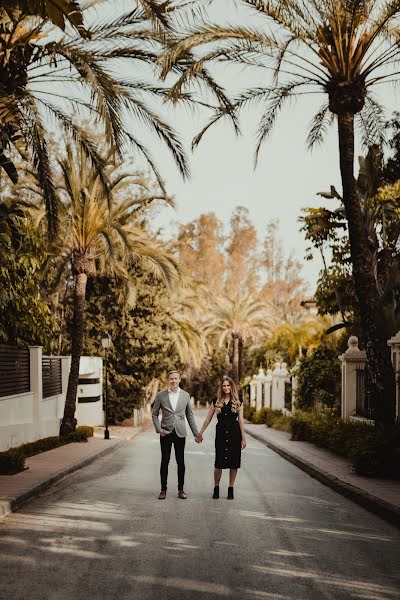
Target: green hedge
{"type": "Point", "coordinates": [13, 461]}
{"type": "Point", "coordinates": [373, 454]}
{"type": "Point", "coordinates": [272, 418]}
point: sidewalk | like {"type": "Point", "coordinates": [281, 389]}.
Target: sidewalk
{"type": "Point", "coordinates": [47, 468]}
{"type": "Point", "coordinates": [381, 496]}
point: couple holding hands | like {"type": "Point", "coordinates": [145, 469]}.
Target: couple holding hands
{"type": "Point", "coordinates": [230, 438]}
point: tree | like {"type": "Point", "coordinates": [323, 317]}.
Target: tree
{"type": "Point", "coordinates": [284, 288]}
{"type": "Point", "coordinates": [327, 230]}
{"type": "Point", "coordinates": [46, 73]}
{"type": "Point", "coordinates": [24, 316]}
{"type": "Point", "coordinates": [237, 320]}
{"type": "Point", "coordinates": [242, 259]}
{"type": "Point", "coordinates": [340, 50]}
{"type": "Point", "coordinates": [99, 236]}
{"type": "Point", "coordinates": [200, 251]}
{"type": "Point", "coordinates": [141, 327]}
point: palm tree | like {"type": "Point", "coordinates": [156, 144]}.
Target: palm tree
{"type": "Point", "coordinates": [50, 77]}
{"type": "Point", "coordinates": [58, 12]}
{"type": "Point", "coordinates": [99, 234]}
{"type": "Point", "coordinates": [238, 320]}
{"type": "Point", "coordinates": [186, 309]}
{"type": "Point", "coordinates": [341, 50]}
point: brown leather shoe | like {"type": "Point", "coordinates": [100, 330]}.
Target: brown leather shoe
{"type": "Point", "coordinates": [182, 495]}
{"type": "Point", "coordinates": [162, 495]}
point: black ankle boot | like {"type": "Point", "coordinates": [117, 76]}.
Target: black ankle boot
{"type": "Point", "coordinates": [216, 492]}
{"type": "Point", "coordinates": [230, 493]}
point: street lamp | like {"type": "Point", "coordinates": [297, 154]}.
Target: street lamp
{"type": "Point", "coordinates": [106, 344]}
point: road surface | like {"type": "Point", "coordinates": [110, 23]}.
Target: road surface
{"type": "Point", "coordinates": [103, 534]}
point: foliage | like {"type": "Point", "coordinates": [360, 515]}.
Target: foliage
{"type": "Point", "coordinates": [24, 316]}
{"type": "Point", "coordinates": [235, 321]}
{"type": "Point", "coordinates": [318, 379]}
{"type": "Point", "coordinates": [373, 453]}
{"type": "Point", "coordinates": [203, 382]}
{"type": "Point", "coordinates": [142, 347]}
{"type": "Point", "coordinates": [13, 461]}
{"type": "Point", "coordinates": [326, 229]}
{"type": "Point", "coordinates": [289, 340]}
{"type": "Point", "coordinates": [51, 72]}
{"type": "Point", "coordinates": [271, 417]}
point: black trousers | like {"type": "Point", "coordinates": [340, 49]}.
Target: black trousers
{"type": "Point", "coordinates": [166, 442]}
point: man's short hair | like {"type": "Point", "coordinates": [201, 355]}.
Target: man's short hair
{"type": "Point", "coordinates": [172, 372]}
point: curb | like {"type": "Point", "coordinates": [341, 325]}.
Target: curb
{"type": "Point", "coordinates": [13, 504]}
{"type": "Point", "coordinates": [380, 507]}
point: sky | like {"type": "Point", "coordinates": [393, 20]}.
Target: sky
{"type": "Point", "coordinates": [287, 178]}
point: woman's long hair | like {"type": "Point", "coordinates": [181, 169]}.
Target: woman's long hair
{"type": "Point", "coordinates": [234, 395]}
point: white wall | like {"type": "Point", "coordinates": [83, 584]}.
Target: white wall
{"type": "Point", "coordinates": [29, 417]}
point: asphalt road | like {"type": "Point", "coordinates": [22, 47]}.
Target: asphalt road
{"type": "Point", "coordinates": [103, 534]}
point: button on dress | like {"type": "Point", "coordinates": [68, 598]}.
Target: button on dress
{"type": "Point", "coordinates": [228, 439]}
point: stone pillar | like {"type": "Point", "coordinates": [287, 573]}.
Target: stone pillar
{"type": "Point", "coordinates": [351, 360]}
{"type": "Point", "coordinates": [394, 344]}
{"type": "Point", "coordinates": [253, 389]}
{"type": "Point", "coordinates": [35, 361]}
{"type": "Point", "coordinates": [268, 389]}
{"type": "Point", "coordinates": [275, 386]}
{"type": "Point", "coordinates": [259, 388]}
{"type": "Point", "coordinates": [283, 377]}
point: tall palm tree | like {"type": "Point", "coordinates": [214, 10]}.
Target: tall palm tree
{"type": "Point", "coordinates": [187, 324]}
{"type": "Point", "coordinates": [99, 234]}
{"type": "Point", "coordinates": [50, 78]}
{"type": "Point", "coordinates": [340, 49]}
{"type": "Point", "coordinates": [238, 320]}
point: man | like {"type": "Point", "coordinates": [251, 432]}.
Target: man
{"type": "Point", "coordinates": [174, 404]}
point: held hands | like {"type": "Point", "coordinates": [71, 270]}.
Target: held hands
{"type": "Point", "coordinates": [199, 438]}
{"type": "Point", "coordinates": [163, 433]}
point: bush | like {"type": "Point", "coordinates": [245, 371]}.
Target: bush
{"type": "Point", "coordinates": [86, 429]}
{"type": "Point", "coordinates": [12, 461]}
{"type": "Point", "coordinates": [248, 412]}
{"type": "Point", "coordinates": [271, 418]}
{"type": "Point", "coordinates": [318, 379]}
{"type": "Point", "coordinates": [373, 454]}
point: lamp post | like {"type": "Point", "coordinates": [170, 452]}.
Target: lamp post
{"type": "Point", "coordinates": [106, 344]}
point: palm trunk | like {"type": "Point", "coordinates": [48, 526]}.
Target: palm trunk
{"type": "Point", "coordinates": [235, 360]}
{"type": "Point", "coordinates": [381, 373]}
{"type": "Point", "coordinates": [68, 423]}
{"type": "Point", "coordinates": [240, 365]}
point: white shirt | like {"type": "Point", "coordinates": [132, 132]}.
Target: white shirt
{"type": "Point", "coordinates": [173, 398]}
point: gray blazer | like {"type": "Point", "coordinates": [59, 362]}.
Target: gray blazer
{"type": "Point", "coordinates": [173, 419]}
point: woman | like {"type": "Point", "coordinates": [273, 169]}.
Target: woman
{"type": "Point", "coordinates": [230, 437]}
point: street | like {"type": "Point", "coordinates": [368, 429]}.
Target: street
{"type": "Point", "coordinates": [103, 534]}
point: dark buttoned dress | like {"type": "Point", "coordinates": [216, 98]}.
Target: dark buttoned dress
{"type": "Point", "coordinates": [228, 439]}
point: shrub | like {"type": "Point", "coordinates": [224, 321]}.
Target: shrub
{"type": "Point", "coordinates": [318, 379]}
{"type": "Point", "coordinates": [248, 412]}
{"type": "Point", "coordinates": [271, 418]}
{"type": "Point", "coordinates": [12, 461]}
{"type": "Point", "coordinates": [86, 429]}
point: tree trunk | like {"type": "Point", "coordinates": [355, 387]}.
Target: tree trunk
{"type": "Point", "coordinates": [240, 366]}
{"type": "Point", "coordinates": [68, 423]}
{"type": "Point", "coordinates": [235, 360]}
{"type": "Point", "coordinates": [381, 373]}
